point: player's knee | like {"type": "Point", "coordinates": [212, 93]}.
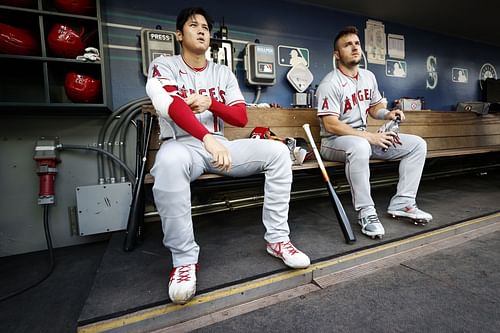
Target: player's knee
{"type": "Point", "coordinates": [361, 149]}
{"type": "Point", "coordinates": [174, 157]}
{"type": "Point", "coordinates": [282, 153]}
{"type": "Point", "coordinates": [173, 160]}
{"type": "Point", "coordinates": [421, 144]}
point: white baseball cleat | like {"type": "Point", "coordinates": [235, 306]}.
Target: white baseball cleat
{"type": "Point", "coordinates": [371, 226]}
{"type": "Point", "coordinates": [291, 256]}
{"type": "Point", "coordinates": [412, 212]}
{"type": "Point", "coordinates": [182, 284]}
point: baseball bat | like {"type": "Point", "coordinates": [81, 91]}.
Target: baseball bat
{"type": "Point", "coordinates": [342, 218]}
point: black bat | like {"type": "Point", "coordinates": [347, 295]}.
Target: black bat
{"type": "Point", "coordinates": [342, 218]}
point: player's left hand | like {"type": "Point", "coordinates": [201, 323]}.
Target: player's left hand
{"type": "Point", "coordinates": [221, 158]}
{"type": "Point", "coordinates": [394, 113]}
{"type": "Point", "coordinates": [198, 103]}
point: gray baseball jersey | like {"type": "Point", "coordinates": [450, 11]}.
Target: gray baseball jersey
{"type": "Point", "coordinates": [347, 98]}
{"type": "Point", "coordinates": [214, 80]}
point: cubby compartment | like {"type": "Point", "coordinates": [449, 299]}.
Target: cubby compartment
{"type": "Point", "coordinates": [21, 81]}
{"type": "Point", "coordinates": [57, 76]}
{"type": "Point", "coordinates": [68, 37]}
{"type": "Point", "coordinates": [61, 31]}
{"type": "Point", "coordinates": [65, 7]}
{"type": "Point", "coordinates": [29, 4]}
{"type": "Point", "coordinates": [20, 32]}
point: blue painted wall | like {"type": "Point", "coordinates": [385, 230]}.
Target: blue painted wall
{"type": "Point", "coordinates": [284, 23]}
{"type": "Point", "coordinates": [272, 22]}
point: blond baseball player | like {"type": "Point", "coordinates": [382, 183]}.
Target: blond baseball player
{"type": "Point", "coordinates": [193, 99]}
{"type": "Point", "coordinates": [346, 96]}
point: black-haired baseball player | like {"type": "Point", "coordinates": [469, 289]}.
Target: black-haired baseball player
{"type": "Point", "coordinates": [193, 98]}
{"type": "Point", "coordinates": [346, 96]}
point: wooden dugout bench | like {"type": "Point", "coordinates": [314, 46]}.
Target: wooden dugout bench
{"type": "Point", "coordinates": [447, 133]}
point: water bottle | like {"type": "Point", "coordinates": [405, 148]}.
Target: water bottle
{"type": "Point", "coordinates": [311, 97]}
{"type": "Point", "coordinates": [391, 126]}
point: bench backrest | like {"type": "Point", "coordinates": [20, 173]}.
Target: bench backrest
{"type": "Point", "coordinates": [451, 132]}
{"type": "Point", "coordinates": [283, 122]}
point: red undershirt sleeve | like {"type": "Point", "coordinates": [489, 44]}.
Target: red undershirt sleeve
{"type": "Point", "coordinates": [235, 115]}
{"type": "Point", "coordinates": [184, 117]}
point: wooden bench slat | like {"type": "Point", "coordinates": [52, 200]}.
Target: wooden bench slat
{"type": "Point", "coordinates": [469, 142]}
{"type": "Point", "coordinates": [446, 130]}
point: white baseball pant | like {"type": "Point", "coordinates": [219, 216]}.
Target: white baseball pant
{"type": "Point", "coordinates": [178, 162]}
{"type": "Point", "coordinates": [356, 152]}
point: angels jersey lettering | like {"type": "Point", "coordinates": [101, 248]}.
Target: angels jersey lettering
{"type": "Point", "coordinates": [347, 98]}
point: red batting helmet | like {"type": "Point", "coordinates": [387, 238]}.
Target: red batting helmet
{"type": "Point", "coordinates": [82, 88]}
{"type": "Point", "coordinates": [66, 41]}
{"type": "Point", "coordinates": [260, 133]}
{"type": "Point", "coordinates": [17, 41]}
{"type": "Point", "coordinates": [80, 7]}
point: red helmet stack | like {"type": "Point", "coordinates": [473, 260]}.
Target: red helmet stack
{"type": "Point", "coordinates": [82, 88]}
{"type": "Point", "coordinates": [66, 41]}
{"type": "Point", "coordinates": [79, 7]}
{"type": "Point", "coordinates": [15, 40]}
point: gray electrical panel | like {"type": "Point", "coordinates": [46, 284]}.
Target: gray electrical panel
{"type": "Point", "coordinates": [103, 208]}
{"type": "Point", "coordinates": [155, 43]}
{"type": "Point", "coordinates": [260, 64]}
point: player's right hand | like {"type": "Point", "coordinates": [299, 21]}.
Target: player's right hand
{"type": "Point", "coordinates": [198, 103]}
{"type": "Point", "coordinates": [397, 112]}
{"type": "Point", "coordinates": [220, 155]}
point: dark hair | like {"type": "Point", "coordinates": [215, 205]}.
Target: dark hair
{"type": "Point", "coordinates": [187, 13]}
{"type": "Point", "coordinates": [349, 30]}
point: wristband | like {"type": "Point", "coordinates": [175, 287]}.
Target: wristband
{"type": "Point", "coordinates": [382, 113]}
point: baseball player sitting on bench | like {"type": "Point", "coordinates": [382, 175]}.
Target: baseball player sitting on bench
{"type": "Point", "coordinates": [345, 98]}
{"type": "Point", "coordinates": [193, 98]}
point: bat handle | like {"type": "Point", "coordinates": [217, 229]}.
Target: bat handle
{"type": "Point", "coordinates": [307, 129]}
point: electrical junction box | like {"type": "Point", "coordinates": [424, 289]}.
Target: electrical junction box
{"type": "Point", "coordinates": [155, 43]}
{"type": "Point", "coordinates": [220, 51]}
{"type": "Point", "coordinates": [103, 208]}
{"type": "Point", "coordinates": [260, 64]}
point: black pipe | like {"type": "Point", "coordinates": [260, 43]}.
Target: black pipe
{"type": "Point", "coordinates": [123, 121]}
{"type": "Point", "coordinates": [113, 157]}
{"type": "Point", "coordinates": [102, 132]}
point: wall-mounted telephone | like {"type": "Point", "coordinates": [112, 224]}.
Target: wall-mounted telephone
{"type": "Point", "coordinates": [155, 43]}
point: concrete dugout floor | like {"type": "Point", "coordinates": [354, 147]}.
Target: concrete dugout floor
{"type": "Point", "coordinates": [453, 290]}
{"type": "Point", "coordinates": [414, 296]}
